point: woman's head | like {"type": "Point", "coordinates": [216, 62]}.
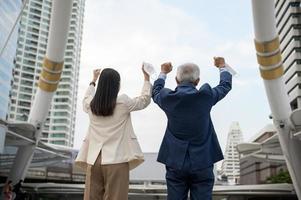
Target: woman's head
{"type": "Point", "coordinates": [104, 101]}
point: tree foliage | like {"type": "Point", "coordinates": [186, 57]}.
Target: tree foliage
{"type": "Point", "coordinates": [281, 177]}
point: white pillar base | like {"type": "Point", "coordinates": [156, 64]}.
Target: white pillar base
{"type": "Point", "coordinates": [21, 164]}
{"type": "Point", "coordinates": [2, 138]}
{"type": "Point", "coordinates": [291, 148]}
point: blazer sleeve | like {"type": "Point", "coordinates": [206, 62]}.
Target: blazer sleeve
{"type": "Point", "coordinates": [157, 91]}
{"type": "Point", "coordinates": [224, 86]}
{"type": "Point", "coordinates": [142, 101]}
{"type": "Point", "coordinates": [88, 97]}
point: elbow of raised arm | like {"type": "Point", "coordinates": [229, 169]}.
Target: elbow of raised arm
{"type": "Point", "coordinates": [229, 86]}
{"type": "Point", "coordinates": [153, 93]}
{"type": "Point", "coordinates": [156, 90]}
{"type": "Point", "coordinates": [148, 101]}
{"type": "Point", "coordinates": [85, 107]}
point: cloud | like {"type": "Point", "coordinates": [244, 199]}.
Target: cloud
{"type": "Point", "coordinates": [122, 34]}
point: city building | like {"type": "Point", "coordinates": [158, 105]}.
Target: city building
{"type": "Point", "coordinates": [32, 42]}
{"type": "Point", "coordinates": [9, 11]}
{"type": "Point", "coordinates": [288, 24]}
{"type": "Point", "coordinates": [52, 174]}
{"type": "Point", "coordinates": [230, 165]}
{"type": "Point", "coordinates": [256, 168]}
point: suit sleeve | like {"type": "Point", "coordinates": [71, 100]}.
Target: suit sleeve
{"type": "Point", "coordinates": [142, 101]}
{"type": "Point", "coordinates": [157, 91]}
{"type": "Point", "coordinates": [88, 97]}
{"type": "Point", "coordinates": [224, 86]}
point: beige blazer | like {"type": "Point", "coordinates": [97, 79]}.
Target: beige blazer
{"type": "Point", "coordinates": [114, 135]}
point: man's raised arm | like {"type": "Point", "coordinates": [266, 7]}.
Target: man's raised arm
{"type": "Point", "coordinates": [225, 84]}
{"type": "Point", "coordinates": [160, 82]}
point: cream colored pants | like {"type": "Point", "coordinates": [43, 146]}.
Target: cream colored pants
{"type": "Point", "coordinates": [107, 182]}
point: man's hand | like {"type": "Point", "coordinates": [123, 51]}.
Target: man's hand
{"type": "Point", "coordinates": [166, 68]}
{"type": "Point", "coordinates": [219, 62]}
{"type": "Point", "coordinates": [96, 74]}
{"type": "Point", "coordinates": [146, 75]}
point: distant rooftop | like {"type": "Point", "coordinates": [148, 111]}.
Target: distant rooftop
{"type": "Point", "coordinates": [149, 170]}
{"type": "Point", "coordinates": [269, 128]}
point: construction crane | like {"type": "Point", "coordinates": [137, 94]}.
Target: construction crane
{"type": "Point", "coordinates": [287, 123]}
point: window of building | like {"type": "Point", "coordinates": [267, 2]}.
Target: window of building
{"type": "Point", "coordinates": [58, 142]}
{"type": "Point", "coordinates": [58, 135]}
{"type": "Point", "coordinates": [294, 104]}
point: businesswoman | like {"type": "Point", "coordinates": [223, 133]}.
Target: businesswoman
{"type": "Point", "coordinates": [110, 148]}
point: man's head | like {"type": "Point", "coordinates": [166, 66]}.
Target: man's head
{"type": "Point", "coordinates": [188, 72]}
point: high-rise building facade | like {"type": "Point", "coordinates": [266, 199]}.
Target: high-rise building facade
{"type": "Point", "coordinates": [9, 11]}
{"type": "Point", "coordinates": [32, 43]}
{"type": "Point", "coordinates": [288, 22]}
{"type": "Point", "coordinates": [230, 165]}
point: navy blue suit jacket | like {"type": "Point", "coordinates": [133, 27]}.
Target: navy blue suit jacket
{"type": "Point", "coordinates": [189, 128]}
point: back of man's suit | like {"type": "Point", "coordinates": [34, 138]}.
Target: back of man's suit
{"type": "Point", "coordinates": [190, 129]}
{"type": "Point", "coordinates": [190, 146]}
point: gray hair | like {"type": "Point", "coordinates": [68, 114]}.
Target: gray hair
{"type": "Point", "coordinates": [188, 72]}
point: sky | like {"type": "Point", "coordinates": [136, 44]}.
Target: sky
{"type": "Point", "coordinates": [123, 33]}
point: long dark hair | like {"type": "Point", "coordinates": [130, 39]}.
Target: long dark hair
{"type": "Point", "coordinates": [104, 101]}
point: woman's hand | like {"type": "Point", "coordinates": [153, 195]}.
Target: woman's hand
{"type": "Point", "coordinates": [96, 74]}
{"type": "Point", "coordinates": [146, 75]}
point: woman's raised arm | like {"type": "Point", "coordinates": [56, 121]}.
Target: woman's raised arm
{"type": "Point", "coordinates": [142, 101]}
{"type": "Point", "coordinates": [90, 91]}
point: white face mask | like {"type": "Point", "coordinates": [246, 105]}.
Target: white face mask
{"type": "Point", "coordinates": [149, 68]}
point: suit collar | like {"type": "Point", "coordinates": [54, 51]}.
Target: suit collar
{"type": "Point", "coordinates": [186, 84]}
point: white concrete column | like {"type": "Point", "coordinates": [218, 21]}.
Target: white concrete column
{"type": "Point", "coordinates": [48, 82]}
{"type": "Point", "coordinates": [2, 137]}
{"type": "Point", "coordinates": [271, 69]}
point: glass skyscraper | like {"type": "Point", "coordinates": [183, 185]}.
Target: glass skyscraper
{"type": "Point", "coordinates": [9, 11]}
{"type": "Point", "coordinates": [32, 43]}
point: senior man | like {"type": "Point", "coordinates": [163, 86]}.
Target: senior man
{"type": "Point", "coordinates": [190, 146]}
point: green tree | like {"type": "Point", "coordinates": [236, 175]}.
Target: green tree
{"type": "Point", "coordinates": [281, 177]}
